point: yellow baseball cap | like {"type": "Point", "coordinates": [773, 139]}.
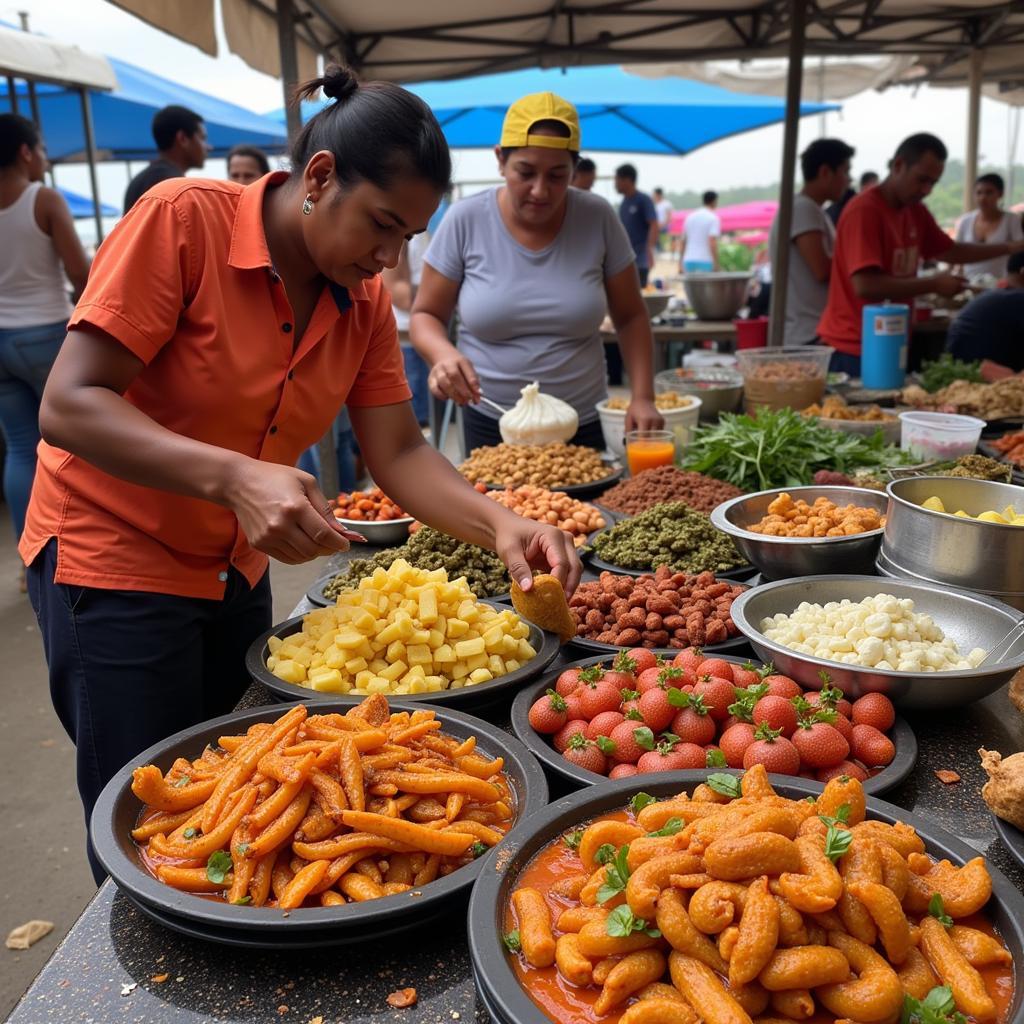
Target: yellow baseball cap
{"type": "Point", "coordinates": [540, 106]}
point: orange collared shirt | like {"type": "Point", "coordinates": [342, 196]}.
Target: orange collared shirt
{"type": "Point", "coordinates": [185, 282]}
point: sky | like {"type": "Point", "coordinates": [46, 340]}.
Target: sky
{"type": "Point", "coordinates": [872, 122]}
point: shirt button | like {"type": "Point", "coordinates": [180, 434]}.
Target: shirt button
{"type": "Point", "coordinates": [273, 430]}
{"type": "Point", "coordinates": [222, 576]}
{"type": "Point", "coordinates": [287, 328]}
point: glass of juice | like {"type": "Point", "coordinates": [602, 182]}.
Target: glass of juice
{"type": "Point", "coordinates": [648, 449]}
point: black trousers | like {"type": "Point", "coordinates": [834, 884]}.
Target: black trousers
{"type": "Point", "coordinates": [128, 668]}
{"type": "Point", "coordinates": [480, 431]}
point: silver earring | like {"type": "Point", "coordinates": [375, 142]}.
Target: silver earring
{"type": "Point", "coordinates": [307, 205]}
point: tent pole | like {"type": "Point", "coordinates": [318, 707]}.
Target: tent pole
{"type": "Point", "coordinates": [90, 150]}
{"type": "Point", "coordinates": [780, 258]}
{"type": "Point", "coordinates": [975, 63]}
{"type": "Point", "coordinates": [12, 96]}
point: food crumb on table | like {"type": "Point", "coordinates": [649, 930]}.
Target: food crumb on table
{"type": "Point", "coordinates": [946, 776]}
{"type": "Point", "coordinates": [401, 998]}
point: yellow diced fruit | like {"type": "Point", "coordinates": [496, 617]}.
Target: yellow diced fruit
{"type": "Point", "coordinates": [389, 634]}
{"type": "Point", "coordinates": [290, 671]}
{"type": "Point", "coordinates": [419, 654]}
{"type": "Point", "coordinates": [480, 675]}
{"type": "Point", "coordinates": [457, 628]}
{"type": "Point", "coordinates": [494, 639]}
{"type": "Point", "coordinates": [459, 670]}
{"type": "Point", "coordinates": [363, 679]}
{"type": "Point", "coordinates": [335, 657]}
{"type": "Point", "coordinates": [476, 661]}
{"type": "Point", "coordinates": [329, 681]}
{"type": "Point", "coordinates": [428, 606]}
{"type": "Point", "coordinates": [274, 644]}
{"type": "Point", "coordinates": [431, 684]}
{"type": "Point", "coordinates": [511, 664]}
{"type": "Point", "coordinates": [436, 639]}
{"type": "Point", "coordinates": [317, 660]}
{"type": "Point", "coordinates": [419, 636]}
{"type": "Point", "coordinates": [379, 685]}
{"type": "Point", "coordinates": [356, 665]}
{"type": "Point", "coordinates": [934, 504]}
{"type": "Point", "coordinates": [468, 611]}
{"type": "Point", "coordinates": [444, 655]}
{"type": "Point", "coordinates": [416, 672]}
{"type": "Point", "coordinates": [325, 643]}
{"type": "Point", "coordinates": [304, 656]}
{"type": "Point", "coordinates": [496, 665]}
{"type": "Point", "coordinates": [526, 652]}
{"type": "Point", "coordinates": [418, 686]}
{"type": "Point", "coordinates": [395, 671]}
{"type": "Point", "coordinates": [348, 639]}
{"type": "Point", "coordinates": [396, 651]}
{"type": "Point", "coordinates": [364, 621]}
{"type": "Point", "coordinates": [468, 648]}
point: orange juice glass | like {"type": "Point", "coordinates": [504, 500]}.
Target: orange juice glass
{"type": "Point", "coordinates": [648, 449]}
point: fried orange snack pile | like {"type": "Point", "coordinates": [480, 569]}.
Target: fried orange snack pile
{"type": "Point", "coordinates": [736, 905]}
{"type": "Point", "coordinates": [545, 606]}
{"type": "Point", "coordinates": [322, 810]}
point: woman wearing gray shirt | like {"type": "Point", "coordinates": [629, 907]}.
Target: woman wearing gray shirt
{"type": "Point", "coordinates": [533, 266]}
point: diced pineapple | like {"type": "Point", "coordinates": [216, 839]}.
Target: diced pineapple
{"type": "Point", "coordinates": [290, 671]}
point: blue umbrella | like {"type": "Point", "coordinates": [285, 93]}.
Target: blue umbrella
{"type": "Point", "coordinates": [82, 206]}
{"type": "Point", "coordinates": [619, 111]}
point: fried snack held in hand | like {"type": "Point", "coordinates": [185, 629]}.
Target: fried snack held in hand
{"type": "Point", "coordinates": [545, 606]}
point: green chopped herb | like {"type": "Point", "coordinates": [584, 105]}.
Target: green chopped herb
{"type": "Point", "coordinates": [716, 759]}
{"type": "Point", "coordinates": [242, 901]}
{"type": "Point", "coordinates": [938, 910]}
{"type": "Point", "coordinates": [726, 785]}
{"type": "Point", "coordinates": [841, 818]}
{"type": "Point", "coordinates": [512, 941]}
{"type": "Point", "coordinates": [616, 874]}
{"type": "Point", "coordinates": [572, 839]}
{"type": "Point", "coordinates": [670, 828]}
{"type": "Point", "coordinates": [478, 849]}
{"type": "Point", "coordinates": [218, 866]}
{"type": "Point", "coordinates": [837, 842]}
{"type": "Point", "coordinates": [938, 1007]}
{"type": "Point", "coordinates": [640, 801]}
{"type": "Point", "coordinates": [621, 922]}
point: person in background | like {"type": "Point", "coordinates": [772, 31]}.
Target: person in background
{"type": "Point", "coordinates": [664, 210]}
{"type": "Point", "coordinates": [247, 164]}
{"type": "Point", "coordinates": [639, 218]}
{"type": "Point", "coordinates": [402, 281]}
{"type": "Point", "coordinates": [533, 266]}
{"type": "Point", "coordinates": [990, 327]}
{"type": "Point", "coordinates": [867, 180]}
{"type": "Point", "coordinates": [988, 223]}
{"type": "Point", "coordinates": [701, 232]}
{"type": "Point", "coordinates": [39, 240]}
{"type": "Point", "coordinates": [585, 174]}
{"type": "Point", "coordinates": [180, 136]}
{"type": "Point", "coordinates": [882, 237]}
{"type": "Point", "coordinates": [825, 165]}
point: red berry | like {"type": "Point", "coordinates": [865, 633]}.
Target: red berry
{"type": "Point", "coordinates": [778, 712]}
{"type": "Point", "coordinates": [548, 714]}
{"type": "Point", "coordinates": [820, 745]}
{"type": "Point", "coordinates": [603, 695]}
{"type": "Point", "coordinates": [777, 755]}
{"type": "Point", "coordinates": [843, 724]}
{"type": "Point", "coordinates": [718, 693]}
{"type": "Point", "coordinates": [602, 724]}
{"type": "Point", "coordinates": [627, 749]}
{"type": "Point", "coordinates": [871, 746]}
{"type": "Point", "coordinates": [574, 705]}
{"type": "Point", "coordinates": [561, 738]}
{"type": "Point", "coordinates": [623, 671]}
{"type": "Point", "coordinates": [644, 659]}
{"type": "Point", "coordinates": [584, 754]}
{"type": "Point", "coordinates": [648, 678]}
{"type": "Point", "coordinates": [689, 658]}
{"type": "Point", "coordinates": [715, 667]}
{"type": "Point", "coordinates": [874, 709]}
{"type": "Point", "coordinates": [568, 682]}
{"type": "Point", "coordinates": [631, 710]}
{"type": "Point", "coordinates": [656, 710]}
{"type": "Point", "coordinates": [672, 758]}
{"type": "Point", "coordinates": [622, 771]}
{"type": "Point", "coordinates": [843, 768]}
{"type": "Point", "coordinates": [694, 725]}
{"type": "Point", "coordinates": [745, 675]}
{"type": "Point", "coordinates": [782, 686]}
{"type": "Point", "coordinates": [734, 742]}
{"type": "Point", "coordinates": [666, 677]}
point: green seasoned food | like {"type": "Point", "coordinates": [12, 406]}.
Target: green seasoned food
{"type": "Point", "coordinates": [429, 549]}
{"type": "Point", "coordinates": [941, 372]}
{"type": "Point", "coordinates": [781, 448]}
{"type": "Point", "coordinates": [671, 534]}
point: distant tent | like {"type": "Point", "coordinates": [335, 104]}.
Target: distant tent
{"type": "Point", "coordinates": [82, 206]}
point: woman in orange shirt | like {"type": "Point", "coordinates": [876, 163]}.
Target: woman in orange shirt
{"type": "Point", "coordinates": [220, 331]}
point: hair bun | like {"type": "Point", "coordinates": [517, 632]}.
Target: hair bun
{"type": "Point", "coordinates": [338, 82]}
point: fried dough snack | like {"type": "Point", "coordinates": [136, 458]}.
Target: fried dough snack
{"type": "Point", "coordinates": [545, 606]}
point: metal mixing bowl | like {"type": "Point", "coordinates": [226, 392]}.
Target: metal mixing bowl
{"type": "Point", "coordinates": [948, 550]}
{"type": "Point", "coordinates": [970, 619]}
{"type": "Point", "coordinates": [383, 532]}
{"type": "Point", "coordinates": [656, 302]}
{"type": "Point", "coordinates": [717, 294]}
{"type": "Point", "coordinates": [782, 557]}
{"type": "Point", "coordinates": [718, 388]}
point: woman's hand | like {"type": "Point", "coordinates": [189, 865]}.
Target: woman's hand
{"type": "Point", "coordinates": [524, 545]}
{"type": "Point", "coordinates": [453, 377]}
{"type": "Point", "coordinates": [643, 414]}
{"type": "Point", "coordinates": [282, 512]}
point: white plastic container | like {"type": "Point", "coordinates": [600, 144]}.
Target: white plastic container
{"type": "Point", "coordinates": [932, 436]}
{"type": "Point", "coordinates": [679, 421]}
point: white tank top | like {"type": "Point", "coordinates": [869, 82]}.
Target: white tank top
{"type": "Point", "coordinates": [32, 286]}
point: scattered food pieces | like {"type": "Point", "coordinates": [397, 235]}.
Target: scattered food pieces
{"type": "Point", "coordinates": [946, 776]}
{"type": "Point", "coordinates": [28, 933]}
{"type": "Point", "coordinates": [401, 998]}
{"type": "Point", "coordinates": [159, 979]}
{"type": "Point", "coordinates": [128, 987]}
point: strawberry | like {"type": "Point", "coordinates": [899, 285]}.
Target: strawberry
{"type": "Point", "coordinates": [874, 709]}
{"type": "Point", "coordinates": [602, 724]}
{"type": "Point", "coordinates": [671, 756]}
{"type": "Point", "coordinates": [819, 744]}
{"type": "Point", "coordinates": [599, 696]}
{"type": "Point", "coordinates": [718, 693]}
{"type": "Point", "coordinates": [734, 742]}
{"type": "Point", "coordinates": [547, 715]}
{"type": "Point", "coordinates": [631, 707]}
{"type": "Point", "coordinates": [631, 739]}
{"type": "Point", "coordinates": [745, 675]}
{"type": "Point", "coordinates": [666, 676]}
{"type": "Point", "coordinates": [623, 671]}
{"type": "Point", "coordinates": [782, 686]}
{"type": "Point", "coordinates": [574, 705]}
{"type": "Point", "coordinates": [644, 659]}
{"type": "Point", "coordinates": [778, 712]}
{"type": "Point", "coordinates": [816, 702]}
{"type": "Point", "coordinates": [773, 750]}
{"type": "Point", "coordinates": [622, 771]}
{"type": "Point", "coordinates": [843, 768]}
{"type": "Point", "coordinates": [569, 681]}
{"type": "Point", "coordinates": [689, 658]}
{"type": "Point", "coordinates": [585, 754]}
{"type": "Point", "coordinates": [656, 710]}
{"type": "Point", "coordinates": [565, 734]}
{"type": "Point", "coordinates": [871, 746]}
{"type": "Point", "coordinates": [843, 724]}
{"type": "Point", "coordinates": [648, 678]}
{"type": "Point", "coordinates": [714, 667]}
{"type": "Point", "coordinates": [693, 724]}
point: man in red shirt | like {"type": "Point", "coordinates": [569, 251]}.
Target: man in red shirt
{"type": "Point", "coordinates": [882, 237]}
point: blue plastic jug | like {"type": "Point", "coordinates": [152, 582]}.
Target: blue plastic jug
{"type": "Point", "coordinates": [885, 333]}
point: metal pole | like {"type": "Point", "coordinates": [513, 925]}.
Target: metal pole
{"type": "Point", "coordinates": [90, 150]}
{"type": "Point", "coordinates": [780, 258]}
{"type": "Point", "coordinates": [12, 95]}
{"type": "Point", "coordinates": [33, 102]}
{"type": "Point", "coordinates": [975, 63]}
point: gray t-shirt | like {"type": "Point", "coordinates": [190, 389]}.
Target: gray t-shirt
{"type": "Point", "coordinates": [806, 295]}
{"type": "Point", "coordinates": [525, 315]}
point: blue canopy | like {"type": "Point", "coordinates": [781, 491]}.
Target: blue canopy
{"type": "Point", "coordinates": [123, 118]}
{"type": "Point", "coordinates": [619, 111]}
{"type": "Point", "coordinates": [82, 206]}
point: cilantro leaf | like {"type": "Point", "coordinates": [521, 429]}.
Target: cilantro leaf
{"type": "Point", "coordinates": [727, 785]}
{"type": "Point", "coordinates": [670, 828]}
{"type": "Point", "coordinates": [572, 839]}
{"type": "Point", "coordinates": [616, 876]}
{"type": "Point", "coordinates": [478, 849]}
{"type": "Point", "coordinates": [841, 818]}
{"type": "Point", "coordinates": [938, 911]}
{"type": "Point", "coordinates": [605, 853]}
{"type": "Point", "coordinates": [640, 801]}
{"type": "Point", "coordinates": [837, 842]}
{"type": "Point", "coordinates": [512, 941]}
{"type": "Point", "coordinates": [937, 1007]}
{"type": "Point", "coordinates": [242, 901]}
{"type": "Point", "coordinates": [218, 866]}
{"type": "Point", "coordinates": [621, 922]}
{"type": "Point", "coordinates": [715, 759]}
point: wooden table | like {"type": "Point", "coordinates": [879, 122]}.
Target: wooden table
{"type": "Point", "coordinates": [686, 334]}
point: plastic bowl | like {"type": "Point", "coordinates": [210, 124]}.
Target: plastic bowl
{"type": "Point", "coordinates": [939, 435]}
{"type": "Point", "coordinates": [779, 378]}
{"type": "Point", "coordinates": [679, 421]}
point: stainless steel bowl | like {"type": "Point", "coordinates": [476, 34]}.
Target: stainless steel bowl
{"type": "Point", "coordinates": [656, 302]}
{"type": "Point", "coordinates": [716, 295]}
{"type": "Point", "coordinates": [385, 532]}
{"type": "Point", "coordinates": [970, 619]}
{"type": "Point", "coordinates": [782, 557]}
{"type": "Point", "coordinates": [944, 549]}
{"type": "Point", "coordinates": [718, 388]}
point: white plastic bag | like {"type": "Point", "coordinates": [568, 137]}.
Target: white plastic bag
{"type": "Point", "coordinates": [538, 419]}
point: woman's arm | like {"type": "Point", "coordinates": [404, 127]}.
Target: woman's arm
{"type": "Point", "coordinates": [451, 374]}
{"type": "Point", "coordinates": [59, 225]}
{"type": "Point", "coordinates": [427, 486]}
{"type": "Point", "coordinates": [633, 328]}
{"type": "Point", "coordinates": [280, 509]}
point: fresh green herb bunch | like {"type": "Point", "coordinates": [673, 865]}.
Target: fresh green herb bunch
{"type": "Point", "coordinates": [671, 534]}
{"type": "Point", "coordinates": [938, 373]}
{"type": "Point", "coordinates": [781, 448]}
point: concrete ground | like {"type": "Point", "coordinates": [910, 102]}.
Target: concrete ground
{"type": "Point", "coordinates": [42, 832]}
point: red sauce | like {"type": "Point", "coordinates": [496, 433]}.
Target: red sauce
{"type": "Point", "coordinates": [566, 1004]}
